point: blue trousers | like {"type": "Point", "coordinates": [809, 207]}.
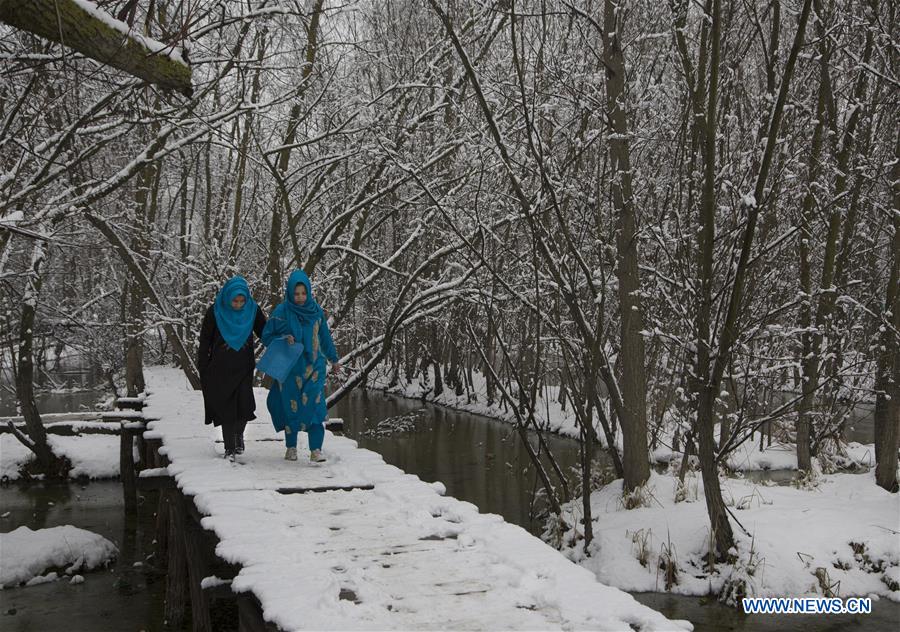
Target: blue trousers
{"type": "Point", "coordinates": [316, 434]}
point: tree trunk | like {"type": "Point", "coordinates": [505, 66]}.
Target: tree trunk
{"type": "Point", "coordinates": [25, 374]}
{"type": "Point", "coordinates": [809, 357]}
{"type": "Point", "coordinates": [438, 381]}
{"type": "Point", "coordinates": [145, 201]}
{"type": "Point", "coordinates": [634, 378]}
{"type": "Point", "coordinates": [68, 23]}
{"type": "Point", "coordinates": [587, 460]}
{"type": "Point", "coordinates": [704, 390]}
{"type": "Point", "coordinates": [751, 205]}
{"type": "Point", "coordinates": [815, 330]}
{"type": "Point", "coordinates": [887, 403]}
{"type": "Point", "coordinates": [138, 274]}
{"type": "Point", "coordinates": [134, 343]}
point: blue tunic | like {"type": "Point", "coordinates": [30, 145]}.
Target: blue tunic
{"type": "Point", "coordinates": [300, 401]}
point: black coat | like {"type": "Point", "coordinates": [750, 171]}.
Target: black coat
{"type": "Point", "coordinates": [226, 375]}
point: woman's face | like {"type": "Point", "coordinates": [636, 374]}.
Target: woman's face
{"type": "Point", "coordinates": [238, 302]}
{"type": "Point", "coordinates": [299, 294]}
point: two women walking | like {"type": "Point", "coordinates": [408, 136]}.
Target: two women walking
{"type": "Point", "coordinates": [226, 362]}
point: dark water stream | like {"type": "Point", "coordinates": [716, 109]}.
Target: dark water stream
{"type": "Point", "coordinates": [479, 459]}
{"type": "Point", "coordinates": [75, 389]}
{"type": "Point", "coordinates": [124, 596]}
{"type": "Point", "coordinates": [54, 402]}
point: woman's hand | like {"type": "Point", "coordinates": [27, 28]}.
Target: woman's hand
{"type": "Point", "coordinates": [290, 339]}
{"type": "Point", "coordinates": [336, 367]}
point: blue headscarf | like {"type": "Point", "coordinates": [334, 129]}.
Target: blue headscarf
{"type": "Point", "coordinates": [235, 325]}
{"type": "Point", "coordinates": [302, 317]}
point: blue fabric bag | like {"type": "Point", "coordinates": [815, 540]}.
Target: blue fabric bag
{"type": "Point", "coordinates": [279, 358]}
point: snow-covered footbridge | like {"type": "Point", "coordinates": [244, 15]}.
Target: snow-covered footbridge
{"type": "Point", "coordinates": [350, 544]}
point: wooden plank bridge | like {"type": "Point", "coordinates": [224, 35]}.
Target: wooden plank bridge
{"type": "Point", "coordinates": [350, 544]}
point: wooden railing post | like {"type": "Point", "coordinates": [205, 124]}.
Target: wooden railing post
{"type": "Point", "coordinates": [126, 467]}
{"type": "Point", "coordinates": [176, 572]}
{"type": "Point", "coordinates": [196, 565]}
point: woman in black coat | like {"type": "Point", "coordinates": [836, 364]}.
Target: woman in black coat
{"type": "Point", "coordinates": [226, 361]}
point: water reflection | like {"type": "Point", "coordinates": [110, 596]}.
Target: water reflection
{"type": "Point", "coordinates": [71, 387]}
{"type": "Point", "coordinates": [50, 402]}
{"type": "Point", "coordinates": [480, 460]}
{"type": "Point", "coordinates": [127, 596]}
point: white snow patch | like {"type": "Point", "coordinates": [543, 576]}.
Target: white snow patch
{"type": "Point", "coordinates": [844, 524]}
{"type": "Point", "coordinates": [212, 581]}
{"type": "Point", "coordinates": [153, 471]}
{"type": "Point", "coordinates": [42, 579]}
{"type": "Point", "coordinates": [13, 455]}
{"type": "Point", "coordinates": [92, 455]}
{"type": "Point", "coordinates": [26, 553]}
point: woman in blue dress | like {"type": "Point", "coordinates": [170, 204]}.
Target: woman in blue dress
{"type": "Point", "coordinates": [298, 403]}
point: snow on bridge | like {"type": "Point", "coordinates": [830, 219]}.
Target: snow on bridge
{"type": "Point", "coordinates": [358, 544]}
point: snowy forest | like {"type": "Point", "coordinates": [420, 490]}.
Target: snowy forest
{"type": "Point", "coordinates": [670, 230]}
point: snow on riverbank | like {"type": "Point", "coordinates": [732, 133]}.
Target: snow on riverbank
{"type": "Point", "coordinates": [840, 535]}
{"type": "Point", "coordinates": [551, 417]}
{"type": "Point", "coordinates": [92, 455]}
{"type": "Point", "coordinates": [26, 554]}
{"type": "Point", "coordinates": [13, 456]}
{"type": "Point", "coordinates": [781, 456]}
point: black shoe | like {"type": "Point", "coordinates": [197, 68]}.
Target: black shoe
{"type": "Point", "coordinates": [229, 455]}
{"type": "Point", "coordinates": [239, 444]}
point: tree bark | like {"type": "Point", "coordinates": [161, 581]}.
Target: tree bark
{"type": "Point", "coordinates": [887, 402]}
{"type": "Point", "coordinates": [244, 152]}
{"type": "Point", "coordinates": [69, 24]}
{"type": "Point", "coordinates": [145, 202]}
{"type": "Point", "coordinates": [634, 378]}
{"type": "Point", "coordinates": [25, 374]}
{"type": "Point", "coordinates": [815, 328]}
{"type": "Point", "coordinates": [709, 390]}
{"type": "Point", "coordinates": [809, 358]}
{"type": "Point", "coordinates": [704, 389]}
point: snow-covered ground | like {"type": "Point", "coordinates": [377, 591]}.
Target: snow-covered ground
{"type": "Point", "coordinates": [841, 534]}
{"type": "Point", "coordinates": [398, 556]}
{"type": "Point", "coordinates": [91, 455]}
{"type": "Point", "coordinates": [26, 554]}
